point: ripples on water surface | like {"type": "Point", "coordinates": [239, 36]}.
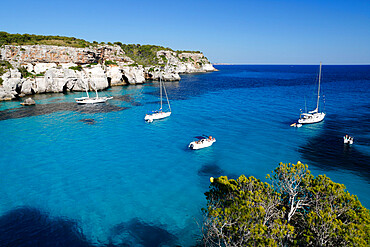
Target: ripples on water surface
{"type": "Point", "coordinates": [98, 175]}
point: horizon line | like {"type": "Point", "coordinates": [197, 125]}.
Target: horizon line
{"type": "Point", "coordinates": [288, 64]}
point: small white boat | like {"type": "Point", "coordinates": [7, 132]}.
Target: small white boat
{"type": "Point", "coordinates": [296, 125]}
{"type": "Point", "coordinates": [313, 116]}
{"type": "Point", "coordinates": [93, 100]}
{"type": "Point", "coordinates": [347, 139]}
{"type": "Point", "coordinates": [202, 142]}
{"type": "Point", "coordinates": [159, 114]}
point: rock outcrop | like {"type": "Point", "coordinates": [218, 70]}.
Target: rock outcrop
{"type": "Point", "coordinates": [28, 101]}
{"type": "Point", "coordinates": [46, 69]}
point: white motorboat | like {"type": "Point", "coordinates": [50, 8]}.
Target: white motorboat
{"type": "Point", "coordinates": [313, 116]}
{"type": "Point", "coordinates": [347, 139]}
{"type": "Point", "coordinates": [202, 142]}
{"type": "Point", "coordinates": [92, 100]}
{"type": "Point", "coordinates": [159, 114]}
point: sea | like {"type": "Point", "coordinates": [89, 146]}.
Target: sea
{"type": "Point", "coordinates": [99, 175]}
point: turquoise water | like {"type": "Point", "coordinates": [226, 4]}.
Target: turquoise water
{"type": "Point", "coordinates": [120, 180]}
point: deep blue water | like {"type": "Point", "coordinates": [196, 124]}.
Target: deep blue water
{"type": "Point", "coordinates": [99, 175]}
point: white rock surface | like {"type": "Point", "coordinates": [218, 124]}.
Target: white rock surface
{"type": "Point", "coordinates": [43, 67]}
{"type": "Point", "coordinates": [54, 63]}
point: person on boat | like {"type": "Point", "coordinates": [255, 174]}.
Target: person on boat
{"type": "Point", "coordinates": [210, 138]}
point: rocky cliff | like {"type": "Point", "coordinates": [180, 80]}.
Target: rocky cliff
{"type": "Point", "coordinates": [34, 69]}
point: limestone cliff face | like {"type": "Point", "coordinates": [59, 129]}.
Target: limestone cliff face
{"type": "Point", "coordinates": [178, 63]}
{"type": "Point", "coordinates": [58, 54]}
{"type": "Point", "coordinates": [62, 69]}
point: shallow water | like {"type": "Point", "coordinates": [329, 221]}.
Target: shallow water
{"type": "Point", "coordinates": [101, 175]}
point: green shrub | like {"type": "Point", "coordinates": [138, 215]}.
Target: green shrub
{"type": "Point", "coordinates": [2, 71]}
{"type": "Point", "coordinates": [6, 64]}
{"type": "Point", "coordinates": [1, 81]}
{"type": "Point", "coordinates": [181, 51]}
{"type": "Point", "coordinates": [164, 59]}
{"type": "Point", "coordinates": [108, 62]}
{"type": "Point", "coordinates": [24, 72]}
{"type": "Point", "coordinates": [78, 67]}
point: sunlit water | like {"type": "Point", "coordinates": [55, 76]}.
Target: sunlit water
{"type": "Point", "coordinates": [103, 170]}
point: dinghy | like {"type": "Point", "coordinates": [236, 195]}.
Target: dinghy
{"type": "Point", "coordinates": [296, 125]}
{"type": "Point", "coordinates": [347, 139]}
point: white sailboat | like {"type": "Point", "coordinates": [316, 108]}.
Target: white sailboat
{"type": "Point", "coordinates": [93, 100]}
{"type": "Point", "coordinates": [313, 116]}
{"type": "Point", "coordinates": [159, 114]}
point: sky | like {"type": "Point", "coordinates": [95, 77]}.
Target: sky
{"type": "Point", "coordinates": [229, 31]}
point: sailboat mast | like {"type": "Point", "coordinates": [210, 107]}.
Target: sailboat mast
{"type": "Point", "coordinates": [160, 88]}
{"type": "Point", "coordinates": [318, 90]}
{"type": "Point", "coordinates": [86, 89]}
{"type": "Point", "coordinates": [168, 102]}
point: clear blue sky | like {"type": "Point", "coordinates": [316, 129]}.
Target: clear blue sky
{"type": "Point", "coordinates": [245, 32]}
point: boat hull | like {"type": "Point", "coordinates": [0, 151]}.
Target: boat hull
{"type": "Point", "coordinates": [312, 118]}
{"type": "Point", "coordinates": [156, 116]}
{"type": "Point", "coordinates": [86, 100]}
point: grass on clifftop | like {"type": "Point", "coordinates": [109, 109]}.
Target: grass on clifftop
{"type": "Point", "coordinates": [147, 54]}
{"type": "Point", "coordinates": [31, 39]}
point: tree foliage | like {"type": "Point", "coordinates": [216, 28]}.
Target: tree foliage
{"type": "Point", "coordinates": [31, 39]}
{"type": "Point", "coordinates": [143, 54]}
{"type": "Point", "coordinates": [295, 209]}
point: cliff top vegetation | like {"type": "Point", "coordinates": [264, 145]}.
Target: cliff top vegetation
{"type": "Point", "coordinates": [31, 39]}
{"type": "Point", "coordinates": [142, 54]}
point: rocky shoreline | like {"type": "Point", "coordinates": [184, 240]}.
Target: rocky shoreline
{"type": "Point", "coordinates": [34, 69]}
